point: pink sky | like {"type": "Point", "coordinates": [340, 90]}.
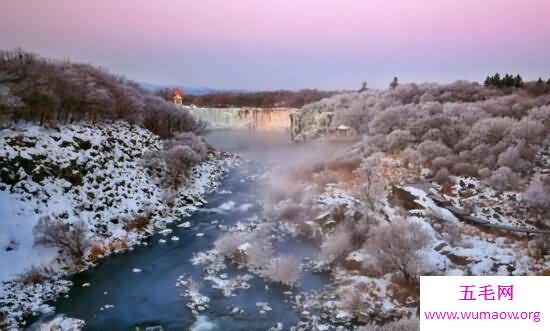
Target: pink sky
{"type": "Point", "coordinates": [260, 44]}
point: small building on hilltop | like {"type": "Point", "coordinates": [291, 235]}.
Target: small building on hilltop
{"type": "Point", "coordinates": [178, 97]}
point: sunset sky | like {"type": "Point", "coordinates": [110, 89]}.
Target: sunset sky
{"type": "Point", "coordinates": [261, 44]}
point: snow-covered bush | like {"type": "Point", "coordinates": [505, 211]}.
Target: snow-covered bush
{"type": "Point", "coordinates": [432, 149]}
{"type": "Point", "coordinates": [373, 187]}
{"type": "Point", "coordinates": [259, 254]}
{"type": "Point", "coordinates": [442, 176]}
{"type": "Point", "coordinates": [537, 196]}
{"type": "Point", "coordinates": [284, 269]}
{"type": "Point", "coordinates": [399, 139]}
{"type": "Point", "coordinates": [70, 239]}
{"type": "Point", "coordinates": [410, 157]}
{"type": "Point", "coordinates": [190, 139]}
{"type": "Point", "coordinates": [395, 246]}
{"type": "Point", "coordinates": [503, 179]}
{"type": "Point", "coordinates": [228, 243]}
{"type": "Point", "coordinates": [336, 244]}
{"type": "Point", "coordinates": [179, 160]}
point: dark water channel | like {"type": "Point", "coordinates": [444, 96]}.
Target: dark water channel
{"type": "Point", "coordinates": [150, 297]}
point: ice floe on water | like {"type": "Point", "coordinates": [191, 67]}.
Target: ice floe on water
{"type": "Point", "coordinates": [203, 324]}
{"type": "Point", "coordinates": [228, 205]}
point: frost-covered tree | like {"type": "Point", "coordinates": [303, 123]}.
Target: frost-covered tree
{"type": "Point", "coordinates": [228, 243]}
{"type": "Point", "coordinates": [336, 244]}
{"type": "Point", "coordinates": [179, 160]}
{"type": "Point", "coordinates": [396, 246]}
{"type": "Point", "coordinates": [432, 149]}
{"type": "Point", "coordinates": [410, 157]}
{"type": "Point", "coordinates": [47, 91]}
{"type": "Point", "coordinates": [399, 139]}
{"type": "Point", "coordinates": [537, 197]}
{"type": "Point", "coordinates": [284, 269]}
{"type": "Point", "coordinates": [373, 186]}
{"type": "Point", "coordinates": [504, 178]}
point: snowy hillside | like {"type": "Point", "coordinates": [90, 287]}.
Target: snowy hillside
{"type": "Point", "coordinates": [77, 173]}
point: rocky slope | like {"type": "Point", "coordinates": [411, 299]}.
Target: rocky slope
{"type": "Point", "coordinates": [90, 173]}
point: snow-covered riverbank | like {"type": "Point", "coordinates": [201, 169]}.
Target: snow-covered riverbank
{"type": "Point", "coordinates": [84, 173]}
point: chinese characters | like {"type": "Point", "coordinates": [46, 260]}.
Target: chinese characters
{"type": "Point", "coordinates": [486, 293]}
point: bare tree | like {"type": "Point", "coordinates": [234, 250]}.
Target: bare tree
{"type": "Point", "coordinates": [179, 160]}
{"type": "Point", "coordinates": [70, 239]}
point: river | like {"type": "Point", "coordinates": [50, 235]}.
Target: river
{"type": "Point", "coordinates": [118, 298]}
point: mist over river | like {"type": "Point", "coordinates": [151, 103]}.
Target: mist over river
{"type": "Point", "coordinates": [113, 296]}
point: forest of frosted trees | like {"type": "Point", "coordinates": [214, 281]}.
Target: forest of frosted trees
{"type": "Point", "coordinates": [46, 91]}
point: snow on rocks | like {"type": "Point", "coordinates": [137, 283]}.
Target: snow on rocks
{"type": "Point", "coordinates": [62, 323]}
{"type": "Point", "coordinates": [89, 173]}
{"type": "Point", "coordinates": [263, 307]}
{"type": "Point", "coordinates": [190, 289]}
{"type": "Point", "coordinates": [230, 285]}
{"type": "Point", "coordinates": [427, 203]}
{"type": "Point", "coordinates": [227, 205]}
{"type": "Point", "coordinates": [106, 307]}
{"type": "Point", "coordinates": [165, 232]}
{"type": "Point", "coordinates": [203, 324]}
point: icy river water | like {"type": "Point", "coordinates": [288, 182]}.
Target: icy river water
{"type": "Point", "coordinates": [136, 300]}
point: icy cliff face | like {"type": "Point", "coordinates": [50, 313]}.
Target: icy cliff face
{"type": "Point", "coordinates": [265, 119]}
{"type": "Point", "coordinates": [309, 124]}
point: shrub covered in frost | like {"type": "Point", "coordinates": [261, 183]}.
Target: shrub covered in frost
{"type": "Point", "coordinates": [179, 160]}
{"type": "Point", "coordinates": [537, 196]}
{"type": "Point", "coordinates": [284, 269]}
{"type": "Point", "coordinates": [336, 244]}
{"type": "Point", "coordinates": [396, 246]}
{"type": "Point", "coordinates": [228, 243]}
